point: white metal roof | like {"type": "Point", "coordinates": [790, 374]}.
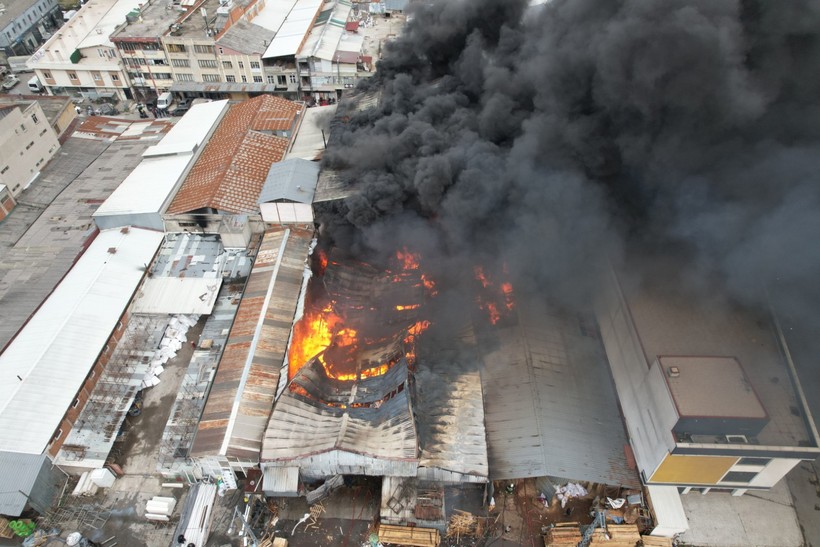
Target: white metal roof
{"type": "Point", "coordinates": [177, 295]}
{"type": "Point", "coordinates": [670, 517]}
{"type": "Point", "coordinates": [325, 39]}
{"type": "Point", "coordinates": [274, 14]}
{"type": "Point", "coordinates": [46, 364]}
{"type": "Point", "coordinates": [293, 30]}
{"type": "Point", "coordinates": [99, 34]}
{"type": "Point", "coordinates": [149, 185]}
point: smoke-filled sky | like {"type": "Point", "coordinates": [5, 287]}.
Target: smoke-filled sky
{"type": "Point", "coordinates": [551, 139]}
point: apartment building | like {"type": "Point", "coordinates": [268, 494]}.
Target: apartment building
{"type": "Point", "coordinates": [80, 58]}
{"type": "Point", "coordinates": [27, 142]}
{"type": "Point", "coordinates": [25, 24]}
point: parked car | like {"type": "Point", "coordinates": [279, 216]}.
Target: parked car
{"type": "Point", "coordinates": [184, 103]}
{"type": "Point", "coordinates": [106, 109]}
{"type": "Point", "coordinates": [10, 81]}
{"type": "Point", "coordinates": [180, 110]}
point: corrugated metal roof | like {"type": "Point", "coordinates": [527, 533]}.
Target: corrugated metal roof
{"type": "Point", "coordinates": [147, 188]}
{"type": "Point", "coordinates": [273, 14]}
{"type": "Point", "coordinates": [241, 398]}
{"type": "Point", "coordinates": [19, 472]}
{"type": "Point", "coordinates": [450, 410]}
{"type": "Point", "coordinates": [324, 39]}
{"type": "Point", "coordinates": [292, 180]}
{"type": "Point", "coordinates": [44, 367]}
{"type": "Point", "coordinates": [293, 30]}
{"type": "Point", "coordinates": [280, 481]}
{"type": "Point", "coordinates": [177, 295]}
{"type": "Point", "coordinates": [245, 37]}
{"type": "Point", "coordinates": [317, 421]}
{"type": "Point", "coordinates": [550, 403]}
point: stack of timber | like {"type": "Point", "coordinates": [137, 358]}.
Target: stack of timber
{"type": "Point", "coordinates": [617, 535]}
{"type": "Point", "coordinates": [412, 537]}
{"type": "Point", "coordinates": [656, 541]}
{"type": "Point", "coordinates": [5, 530]}
{"type": "Point", "coordinates": [564, 534]}
{"type": "Point", "coordinates": [464, 524]}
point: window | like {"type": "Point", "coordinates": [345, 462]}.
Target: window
{"type": "Point", "coordinates": [22, 127]}
{"type": "Point", "coordinates": [271, 80]}
{"type": "Point", "coordinates": [255, 65]}
{"type": "Point", "coordinates": [30, 145]}
{"type": "Point", "coordinates": [72, 75]}
{"type": "Point", "coordinates": [57, 434]}
{"type": "Point", "coordinates": [6, 168]}
{"type": "Point", "coordinates": [97, 77]}
{"type": "Point", "coordinates": [47, 75]}
{"type": "Point", "coordinates": [207, 63]}
{"type": "Point", "coordinates": [175, 48]}
{"type": "Point", "coordinates": [43, 132]}
{"type": "Point", "coordinates": [241, 64]}
{"type": "Point", "coordinates": [230, 78]}
{"type": "Point", "coordinates": [281, 80]}
{"type": "Point", "coordinates": [211, 78]}
{"type": "Point", "coordinates": [754, 461]}
{"type": "Point", "coordinates": [185, 77]}
{"type": "Point", "coordinates": [738, 476]}
{"type": "Point", "coordinates": [257, 79]}
{"type": "Point", "coordinates": [127, 46]}
{"type": "Point", "coordinates": [162, 75]}
{"type": "Point", "coordinates": [204, 49]}
{"type": "Point", "coordinates": [75, 404]}
{"type": "Point", "coordinates": [180, 62]}
{"type": "Point", "coordinates": [227, 64]}
{"type": "Point", "coordinates": [292, 78]}
{"type": "Point", "coordinates": [34, 118]}
{"type": "Point", "coordinates": [115, 78]}
{"type": "Point", "coordinates": [244, 78]}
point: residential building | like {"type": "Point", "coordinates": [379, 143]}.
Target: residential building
{"type": "Point", "coordinates": [26, 24]}
{"type": "Point", "coordinates": [710, 397]}
{"type": "Point", "coordinates": [59, 110]}
{"type": "Point", "coordinates": [80, 58]}
{"type": "Point", "coordinates": [27, 142]}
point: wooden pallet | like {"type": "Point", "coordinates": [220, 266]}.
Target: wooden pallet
{"type": "Point", "coordinates": [410, 536]}
{"type": "Point", "coordinates": [656, 541]}
{"type": "Point", "coordinates": [5, 531]}
{"type": "Point", "coordinates": [565, 534]}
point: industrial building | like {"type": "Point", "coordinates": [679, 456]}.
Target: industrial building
{"type": "Point", "coordinates": [710, 397]}
{"type": "Point", "coordinates": [27, 142]}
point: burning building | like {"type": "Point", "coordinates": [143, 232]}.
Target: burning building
{"type": "Point", "coordinates": [351, 405]}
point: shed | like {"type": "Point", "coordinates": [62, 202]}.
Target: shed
{"type": "Point", "coordinates": [287, 195]}
{"type": "Point", "coordinates": [28, 479]}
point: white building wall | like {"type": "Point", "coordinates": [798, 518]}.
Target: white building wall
{"type": "Point", "coordinates": [773, 472]}
{"type": "Point", "coordinates": [642, 391]}
{"type": "Point", "coordinates": [27, 143]}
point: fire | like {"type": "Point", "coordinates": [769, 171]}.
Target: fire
{"type": "Point", "coordinates": [321, 256]}
{"type": "Point", "coordinates": [497, 301]}
{"type": "Point", "coordinates": [429, 285]}
{"type": "Point", "coordinates": [312, 334]}
{"type": "Point", "coordinates": [408, 260]}
{"type": "Point", "coordinates": [408, 307]}
{"type": "Point", "coordinates": [410, 340]}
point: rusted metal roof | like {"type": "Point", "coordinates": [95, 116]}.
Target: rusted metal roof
{"type": "Point", "coordinates": [244, 387]}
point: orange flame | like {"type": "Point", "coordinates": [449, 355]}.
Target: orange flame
{"type": "Point", "coordinates": [496, 301]}
{"type": "Point", "coordinates": [408, 307]}
{"type": "Point", "coordinates": [312, 334]}
{"type": "Point", "coordinates": [408, 260]}
{"type": "Point", "coordinates": [322, 257]}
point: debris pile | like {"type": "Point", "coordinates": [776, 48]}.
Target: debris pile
{"type": "Point", "coordinates": [172, 341]}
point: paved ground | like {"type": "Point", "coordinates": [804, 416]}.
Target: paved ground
{"type": "Point", "coordinates": [760, 519]}
{"type": "Point", "coordinates": [805, 488]}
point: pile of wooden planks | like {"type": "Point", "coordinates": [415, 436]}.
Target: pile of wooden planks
{"type": "Point", "coordinates": [617, 535]}
{"type": "Point", "coordinates": [564, 534]}
{"type": "Point", "coordinates": [410, 536]}
{"type": "Point", "coordinates": [464, 524]}
{"type": "Point", "coordinates": [656, 541]}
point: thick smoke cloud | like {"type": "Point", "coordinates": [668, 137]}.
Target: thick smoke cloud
{"type": "Point", "coordinates": [553, 138]}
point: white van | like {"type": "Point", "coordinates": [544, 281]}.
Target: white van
{"type": "Point", "coordinates": [164, 101]}
{"type": "Point", "coordinates": [35, 85]}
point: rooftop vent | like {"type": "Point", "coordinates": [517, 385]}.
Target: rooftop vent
{"type": "Point", "coordinates": [112, 250]}
{"type": "Point", "coordinates": [737, 439]}
{"type": "Point", "coordinates": [673, 372]}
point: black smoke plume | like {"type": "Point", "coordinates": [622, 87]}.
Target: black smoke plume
{"type": "Point", "coordinates": [555, 138]}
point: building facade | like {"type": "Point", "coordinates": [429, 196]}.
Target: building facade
{"type": "Point", "coordinates": [80, 59]}
{"type": "Point", "coordinates": [26, 24]}
{"type": "Point", "coordinates": [27, 143]}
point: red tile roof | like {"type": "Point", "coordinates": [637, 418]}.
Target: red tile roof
{"type": "Point", "coordinates": [230, 172]}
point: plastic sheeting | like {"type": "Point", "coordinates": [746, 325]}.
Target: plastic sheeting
{"type": "Point", "coordinates": [176, 334]}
